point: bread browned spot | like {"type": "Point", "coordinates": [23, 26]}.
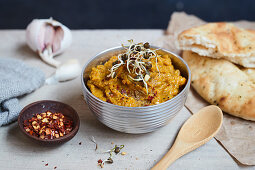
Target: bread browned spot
{"type": "Point", "coordinates": [222, 99]}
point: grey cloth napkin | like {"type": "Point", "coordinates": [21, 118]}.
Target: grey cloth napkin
{"type": "Point", "coordinates": [16, 79]}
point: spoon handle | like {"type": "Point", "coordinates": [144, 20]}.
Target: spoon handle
{"type": "Point", "coordinates": [173, 154]}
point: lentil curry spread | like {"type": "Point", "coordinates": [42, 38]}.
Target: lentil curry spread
{"type": "Point", "coordinates": [140, 76]}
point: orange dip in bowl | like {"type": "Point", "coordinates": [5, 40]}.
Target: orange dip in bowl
{"type": "Point", "coordinates": [138, 79]}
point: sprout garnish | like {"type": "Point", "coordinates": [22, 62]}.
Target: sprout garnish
{"type": "Point", "coordinates": [109, 160]}
{"type": "Point", "coordinates": [136, 58]}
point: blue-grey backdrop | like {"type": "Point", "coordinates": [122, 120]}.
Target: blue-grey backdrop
{"type": "Point", "coordinates": [118, 14]}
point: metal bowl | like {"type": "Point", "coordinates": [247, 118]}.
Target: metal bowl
{"type": "Point", "coordinates": [134, 119]}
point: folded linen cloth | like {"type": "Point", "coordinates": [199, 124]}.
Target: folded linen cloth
{"type": "Point", "coordinates": [16, 79]}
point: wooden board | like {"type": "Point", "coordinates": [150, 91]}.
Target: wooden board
{"type": "Point", "coordinates": [18, 152]}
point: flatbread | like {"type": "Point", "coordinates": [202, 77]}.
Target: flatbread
{"type": "Point", "coordinates": [250, 72]}
{"type": "Point", "coordinates": [220, 40]}
{"type": "Point", "coordinates": [222, 83]}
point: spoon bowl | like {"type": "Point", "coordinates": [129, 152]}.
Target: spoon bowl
{"type": "Point", "coordinates": [196, 131]}
{"type": "Point", "coordinates": [202, 125]}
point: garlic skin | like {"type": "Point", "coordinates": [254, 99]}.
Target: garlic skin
{"type": "Point", "coordinates": [67, 71]}
{"type": "Point", "coordinates": [48, 38]}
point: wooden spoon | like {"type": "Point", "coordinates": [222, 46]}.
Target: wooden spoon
{"type": "Point", "coordinates": [196, 131]}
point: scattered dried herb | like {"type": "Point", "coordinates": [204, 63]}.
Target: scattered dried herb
{"type": "Point", "coordinates": [94, 141]}
{"type": "Point", "coordinates": [117, 150]}
{"type": "Point", "coordinates": [100, 161]}
{"type": "Point", "coordinates": [109, 160]}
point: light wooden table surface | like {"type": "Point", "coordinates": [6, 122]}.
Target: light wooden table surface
{"type": "Point", "coordinates": [143, 151]}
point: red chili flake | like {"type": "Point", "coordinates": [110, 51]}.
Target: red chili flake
{"type": "Point", "coordinates": [55, 167]}
{"type": "Point", "coordinates": [108, 100]}
{"type": "Point", "coordinates": [48, 125]}
{"type": "Point", "coordinates": [150, 98]}
{"type": "Point", "coordinates": [118, 87]}
{"type": "Point", "coordinates": [46, 164]}
{"type": "Point", "coordinates": [123, 91]}
{"type": "Point", "coordinates": [80, 143]}
{"type": "Point", "coordinates": [100, 161]}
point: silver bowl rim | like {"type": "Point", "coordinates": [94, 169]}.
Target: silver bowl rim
{"type": "Point", "coordinates": [143, 107]}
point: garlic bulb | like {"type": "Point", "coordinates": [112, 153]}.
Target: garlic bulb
{"type": "Point", "coordinates": [67, 71]}
{"type": "Point", "coordinates": [49, 38]}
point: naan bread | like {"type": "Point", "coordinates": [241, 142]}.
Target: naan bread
{"type": "Point", "coordinates": [222, 83]}
{"type": "Point", "coordinates": [250, 72]}
{"type": "Point", "coordinates": [220, 40]}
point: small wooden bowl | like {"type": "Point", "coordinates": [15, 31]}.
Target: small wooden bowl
{"type": "Point", "coordinates": [53, 106]}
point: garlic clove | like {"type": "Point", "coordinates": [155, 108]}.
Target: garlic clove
{"type": "Point", "coordinates": [66, 41]}
{"type": "Point", "coordinates": [57, 39]}
{"type": "Point", "coordinates": [35, 35]}
{"type": "Point", "coordinates": [49, 34]}
{"type": "Point", "coordinates": [47, 56]}
{"type": "Point", "coordinates": [48, 38]}
{"type": "Point", "coordinates": [67, 71]}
